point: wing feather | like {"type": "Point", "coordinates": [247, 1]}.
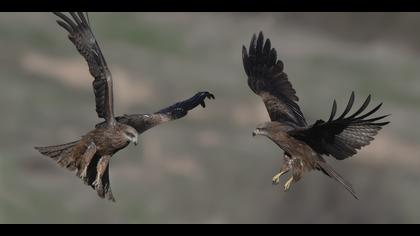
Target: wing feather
{"type": "Point", "coordinates": [342, 137]}
{"type": "Point", "coordinates": [267, 79]}
{"type": "Point", "coordinates": [81, 35]}
{"type": "Point", "coordinates": [143, 122]}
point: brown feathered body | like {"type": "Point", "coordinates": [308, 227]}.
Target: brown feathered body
{"type": "Point", "coordinates": [304, 144]}
{"type": "Point", "coordinates": [90, 155]}
{"type": "Point", "coordinates": [299, 157]}
{"type": "Point", "coordinates": [108, 141]}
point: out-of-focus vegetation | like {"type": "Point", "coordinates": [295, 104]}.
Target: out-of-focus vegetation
{"type": "Point", "coordinates": [207, 168]}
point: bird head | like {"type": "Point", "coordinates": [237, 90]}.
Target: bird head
{"type": "Point", "coordinates": [131, 134]}
{"type": "Point", "coordinates": [269, 128]}
{"type": "Point", "coordinates": [262, 129]}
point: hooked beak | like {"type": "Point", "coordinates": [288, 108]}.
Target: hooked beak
{"type": "Point", "coordinates": [259, 131]}
{"type": "Point", "coordinates": [255, 132]}
{"type": "Point", "coordinates": [135, 141]}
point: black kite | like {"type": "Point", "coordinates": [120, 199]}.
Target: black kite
{"type": "Point", "coordinates": [303, 144]}
{"type": "Point", "coordinates": [90, 155]}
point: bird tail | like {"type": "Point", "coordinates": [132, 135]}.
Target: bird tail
{"type": "Point", "coordinates": [61, 153]}
{"type": "Point", "coordinates": [328, 170]}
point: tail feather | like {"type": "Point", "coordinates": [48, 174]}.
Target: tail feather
{"type": "Point", "coordinates": [328, 170]}
{"type": "Point", "coordinates": [83, 159]}
{"type": "Point", "coordinates": [61, 153]}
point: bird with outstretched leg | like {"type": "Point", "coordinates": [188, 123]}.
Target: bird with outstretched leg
{"type": "Point", "coordinates": [90, 156]}
{"type": "Point", "coordinates": [303, 144]}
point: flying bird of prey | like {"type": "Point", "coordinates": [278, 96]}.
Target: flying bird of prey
{"type": "Point", "coordinates": [303, 144]}
{"type": "Point", "coordinates": [90, 155]}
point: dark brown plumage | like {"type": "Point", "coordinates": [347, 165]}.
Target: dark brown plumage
{"type": "Point", "coordinates": [143, 122]}
{"type": "Point", "coordinates": [90, 156]}
{"type": "Point", "coordinates": [303, 144]}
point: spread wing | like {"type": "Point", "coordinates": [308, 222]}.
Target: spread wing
{"type": "Point", "coordinates": [143, 122]}
{"type": "Point", "coordinates": [268, 80]}
{"type": "Point", "coordinates": [81, 35]}
{"type": "Point", "coordinates": [342, 137]}
{"type": "Point", "coordinates": [180, 109]}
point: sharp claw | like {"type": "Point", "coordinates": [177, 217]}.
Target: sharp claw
{"type": "Point", "coordinates": [288, 184]}
{"type": "Point", "coordinates": [276, 178]}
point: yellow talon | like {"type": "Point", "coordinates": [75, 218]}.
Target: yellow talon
{"type": "Point", "coordinates": [276, 178]}
{"type": "Point", "coordinates": [288, 184]}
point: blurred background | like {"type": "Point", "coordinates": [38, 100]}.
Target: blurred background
{"type": "Point", "coordinates": [207, 167]}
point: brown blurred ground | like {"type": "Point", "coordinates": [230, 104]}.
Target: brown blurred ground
{"type": "Point", "coordinates": [207, 168]}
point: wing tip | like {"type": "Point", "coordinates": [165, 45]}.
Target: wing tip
{"type": "Point", "coordinates": [244, 52]}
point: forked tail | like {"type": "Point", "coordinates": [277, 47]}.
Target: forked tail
{"type": "Point", "coordinates": [61, 153]}
{"type": "Point", "coordinates": [328, 170]}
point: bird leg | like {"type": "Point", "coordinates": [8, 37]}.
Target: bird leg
{"type": "Point", "coordinates": [276, 178]}
{"type": "Point", "coordinates": [101, 168]}
{"type": "Point", "coordinates": [288, 184]}
{"type": "Point", "coordinates": [83, 175]}
{"type": "Point", "coordinates": [284, 169]}
{"type": "Point", "coordinates": [86, 159]}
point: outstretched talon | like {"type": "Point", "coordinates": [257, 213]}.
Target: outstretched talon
{"type": "Point", "coordinates": [276, 178]}
{"type": "Point", "coordinates": [288, 184]}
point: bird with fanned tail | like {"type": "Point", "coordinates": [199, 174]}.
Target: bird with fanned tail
{"type": "Point", "coordinates": [91, 154]}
